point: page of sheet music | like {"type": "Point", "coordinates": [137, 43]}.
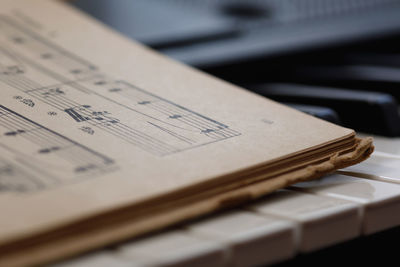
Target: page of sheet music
{"type": "Point", "coordinates": [89, 120]}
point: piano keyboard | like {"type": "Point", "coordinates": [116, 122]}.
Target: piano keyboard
{"type": "Point", "coordinates": [309, 216]}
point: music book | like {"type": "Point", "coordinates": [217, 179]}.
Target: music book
{"type": "Point", "coordinates": [103, 139]}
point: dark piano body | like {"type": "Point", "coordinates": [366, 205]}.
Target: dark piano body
{"type": "Point", "coordinates": [335, 59]}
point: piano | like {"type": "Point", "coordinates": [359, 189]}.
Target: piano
{"type": "Point", "coordinates": [338, 60]}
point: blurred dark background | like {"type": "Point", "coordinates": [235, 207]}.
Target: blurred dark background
{"type": "Point", "coordinates": [338, 60]}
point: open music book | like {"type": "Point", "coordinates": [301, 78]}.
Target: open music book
{"type": "Point", "coordinates": [102, 139]}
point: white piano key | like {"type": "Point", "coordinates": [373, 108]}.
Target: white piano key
{"type": "Point", "coordinates": [386, 155]}
{"type": "Point", "coordinates": [252, 239]}
{"type": "Point", "coordinates": [98, 259]}
{"type": "Point", "coordinates": [386, 144]}
{"type": "Point", "coordinates": [173, 248]}
{"type": "Point", "coordinates": [380, 200]}
{"type": "Point", "coordinates": [380, 166]}
{"type": "Point", "coordinates": [323, 220]}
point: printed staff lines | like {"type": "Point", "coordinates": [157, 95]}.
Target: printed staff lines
{"type": "Point", "coordinates": [41, 138]}
{"type": "Point", "coordinates": [156, 125]}
{"type": "Point", "coordinates": [192, 120]}
{"type": "Point", "coordinates": [30, 131]}
{"type": "Point", "coordinates": [151, 101]}
{"type": "Point", "coordinates": [48, 154]}
{"type": "Point", "coordinates": [31, 41]}
{"type": "Point", "coordinates": [117, 129]}
{"type": "Point", "coordinates": [61, 102]}
{"type": "Point", "coordinates": [173, 111]}
{"type": "Point", "coordinates": [35, 169]}
{"type": "Point", "coordinates": [8, 172]}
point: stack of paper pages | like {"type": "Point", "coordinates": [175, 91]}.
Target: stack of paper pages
{"type": "Point", "coordinates": [102, 139]}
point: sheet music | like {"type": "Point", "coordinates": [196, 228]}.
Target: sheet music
{"type": "Point", "coordinates": [41, 73]}
{"type": "Point", "coordinates": [69, 84]}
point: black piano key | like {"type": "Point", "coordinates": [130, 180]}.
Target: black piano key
{"type": "Point", "coordinates": [323, 113]}
{"type": "Point", "coordinates": [160, 24]}
{"type": "Point", "coordinates": [362, 77]}
{"type": "Point", "coordinates": [388, 44]}
{"type": "Point", "coordinates": [370, 112]}
{"type": "Point", "coordinates": [372, 58]}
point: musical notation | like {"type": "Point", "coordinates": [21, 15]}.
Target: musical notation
{"type": "Point", "coordinates": [100, 105]}
{"type": "Point", "coordinates": [32, 156]}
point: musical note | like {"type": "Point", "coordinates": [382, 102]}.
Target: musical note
{"type": "Point", "coordinates": [14, 133]}
{"type": "Point", "coordinates": [75, 115]}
